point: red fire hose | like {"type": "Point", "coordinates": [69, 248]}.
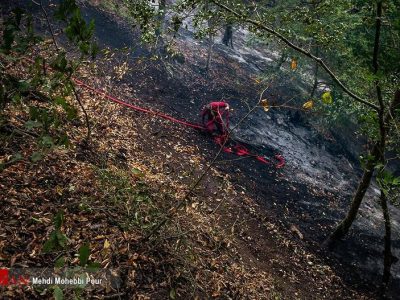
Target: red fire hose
{"type": "Point", "coordinates": [239, 150]}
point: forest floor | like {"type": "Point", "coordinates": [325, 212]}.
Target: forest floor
{"type": "Point", "coordinates": [223, 244]}
{"type": "Point", "coordinates": [114, 188]}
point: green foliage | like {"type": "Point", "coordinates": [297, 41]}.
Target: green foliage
{"type": "Point", "coordinates": [127, 191]}
{"type": "Point", "coordinates": [389, 184]}
{"type": "Point", "coordinates": [66, 9]}
{"type": "Point", "coordinates": [145, 17]}
{"type": "Point", "coordinates": [327, 98]}
{"type": "Point", "coordinates": [81, 34]}
{"type": "Point", "coordinates": [60, 262]}
{"type": "Point", "coordinates": [82, 271]}
{"type": "Point", "coordinates": [84, 253]}
{"type": "Point", "coordinates": [58, 293]}
{"type": "Point", "coordinates": [13, 36]}
{"type": "Point", "coordinates": [57, 239]}
{"type": "Point", "coordinates": [46, 88]}
{"type": "Point", "coordinates": [14, 158]}
{"type": "Point", "coordinates": [369, 124]}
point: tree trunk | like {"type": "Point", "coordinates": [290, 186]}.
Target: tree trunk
{"type": "Point", "coordinates": [387, 258]}
{"type": "Point", "coordinates": [161, 7]}
{"type": "Point", "coordinates": [281, 61]}
{"type": "Point", "coordinates": [228, 36]}
{"type": "Point", "coordinates": [343, 228]}
{"type": "Point", "coordinates": [377, 152]}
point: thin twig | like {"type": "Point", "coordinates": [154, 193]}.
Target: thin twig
{"type": "Point", "coordinates": [48, 22]}
{"type": "Point", "coordinates": [83, 109]}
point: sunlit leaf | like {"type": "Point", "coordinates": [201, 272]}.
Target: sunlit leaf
{"type": "Point", "coordinates": [293, 64]}
{"type": "Point", "coordinates": [172, 294]}
{"type": "Point", "coordinates": [264, 103]}
{"type": "Point", "coordinates": [137, 172]}
{"type": "Point", "coordinates": [308, 105]}
{"type": "Point", "coordinates": [106, 244]}
{"type": "Point", "coordinates": [327, 98]}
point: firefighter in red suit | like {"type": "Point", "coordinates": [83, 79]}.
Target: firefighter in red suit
{"type": "Point", "coordinates": [215, 116]}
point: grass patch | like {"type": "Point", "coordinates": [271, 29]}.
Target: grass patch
{"type": "Point", "coordinates": [128, 193]}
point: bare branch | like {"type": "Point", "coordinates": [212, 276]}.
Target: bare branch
{"type": "Point", "coordinates": [48, 22]}
{"type": "Point", "coordinates": [83, 109]}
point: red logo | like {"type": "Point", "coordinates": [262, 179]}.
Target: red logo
{"type": "Point", "coordinates": [6, 279]}
{"type": "Point", "coordinates": [3, 277]}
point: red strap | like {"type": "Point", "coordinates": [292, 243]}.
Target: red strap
{"type": "Point", "coordinates": [262, 159]}
{"type": "Point", "coordinates": [228, 150]}
{"type": "Point", "coordinates": [217, 105]}
{"type": "Point", "coordinates": [281, 160]}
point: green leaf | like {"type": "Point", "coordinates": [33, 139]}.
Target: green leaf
{"type": "Point", "coordinates": [137, 172]}
{"type": "Point", "coordinates": [50, 244]}
{"type": "Point", "coordinates": [60, 63]}
{"type": "Point", "coordinates": [63, 140]}
{"type": "Point", "coordinates": [84, 253]}
{"type": "Point", "coordinates": [16, 98]}
{"type": "Point", "coordinates": [47, 141]}
{"type": "Point", "coordinates": [58, 293]}
{"type": "Point", "coordinates": [93, 266]}
{"type": "Point", "coordinates": [60, 101]}
{"type": "Point", "coordinates": [58, 220]}
{"type": "Point", "coordinates": [36, 156]}
{"type": "Point", "coordinates": [172, 294]}
{"type": "Point", "coordinates": [23, 86]}
{"type": "Point", "coordinates": [16, 157]}
{"type": "Point", "coordinates": [327, 98]}
{"type": "Point", "coordinates": [61, 239]}
{"type": "Point", "coordinates": [32, 124]}
{"type": "Point", "coordinates": [60, 262]}
{"type": "Point", "coordinates": [65, 9]}
{"type": "Point", "coordinates": [69, 109]}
